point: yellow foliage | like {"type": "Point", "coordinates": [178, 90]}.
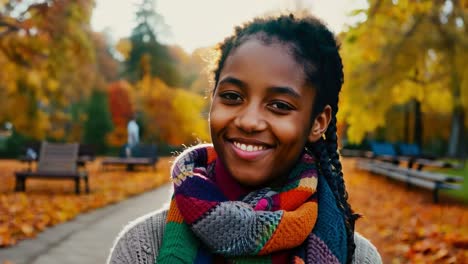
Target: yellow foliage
{"type": "Point", "coordinates": [42, 125]}
{"type": "Point", "coordinates": [117, 137]}
{"type": "Point", "coordinates": [405, 91]}
{"type": "Point", "coordinates": [57, 133]}
{"type": "Point", "coordinates": [8, 76]}
{"type": "Point", "coordinates": [124, 46]}
{"type": "Point", "coordinates": [44, 73]}
{"type": "Point", "coordinates": [397, 55]}
{"type": "Point", "coordinates": [52, 85]}
{"type": "Point", "coordinates": [193, 124]}
{"type": "Point", "coordinates": [175, 116]}
{"type": "Point", "coordinates": [3, 3]}
{"type": "Point", "coordinates": [438, 101]}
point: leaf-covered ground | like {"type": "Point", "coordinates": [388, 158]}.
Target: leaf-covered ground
{"type": "Point", "coordinates": [49, 202]}
{"type": "Point", "coordinates": [402, 222]}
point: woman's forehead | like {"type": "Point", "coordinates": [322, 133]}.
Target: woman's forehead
{"type": "Point", "coordinates": [273, 59]}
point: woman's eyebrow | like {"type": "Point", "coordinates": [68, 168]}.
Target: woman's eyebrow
{"type": "Point", "coordinates": [284, 90]}
{"type": "Point", "coordinates": [274, 89]}
{"type": "Point", "coordinates": [233, 81]}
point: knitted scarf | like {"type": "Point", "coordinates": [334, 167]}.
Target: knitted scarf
{"type": "Point", "coordinates": [212, 219]}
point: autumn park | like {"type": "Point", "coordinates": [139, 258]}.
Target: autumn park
{"type": "Point", "coordinates": [69, 89]}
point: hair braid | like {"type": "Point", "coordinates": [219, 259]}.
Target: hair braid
{"type": "Point", "coordinates": [341, 194]}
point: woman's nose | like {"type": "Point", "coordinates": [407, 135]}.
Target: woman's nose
{"type": "Point", "coordinates": [250, 119]}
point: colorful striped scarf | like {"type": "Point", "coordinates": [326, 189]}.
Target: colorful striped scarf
{"type": "Point", "coordinates": [212, 219]}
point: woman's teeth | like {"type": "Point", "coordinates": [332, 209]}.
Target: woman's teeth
{"type": "Point", "coordinates": [245, 147]}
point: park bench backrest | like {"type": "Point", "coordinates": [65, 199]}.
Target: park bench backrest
{"type": "Point", "coordinates": [412, 150]}
{"type": "Point", "coordinates": [383, 149]}
{"type": "Point", "coordinates": [145, 151]}
{"type": "Point", "coordinates": [87, 150]}
{"type": "Point", "coordinates": [58, 157]}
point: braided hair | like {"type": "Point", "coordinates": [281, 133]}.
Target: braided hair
{"type": "Point", "coordinates": [314, 47]}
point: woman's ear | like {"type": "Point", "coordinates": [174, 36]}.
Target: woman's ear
{"type": "Point", "coordinates": [320, 124]}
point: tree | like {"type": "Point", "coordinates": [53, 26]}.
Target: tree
{"type": "Point", "coordinates": [147, 55]}
{"type": "Point", "coordinates": [171, 115]}
{"type": "Point", "coordinates": [406, 51]}
{"type": "Point", "coordinates": [99, 122]}
{"type": "Point", "coordinates": [47, 64]}
{"type": "Point", "coordinates": [121, 108]}
{"type": "Point", "coordinates": [196, 69]}
{"type": "Point", "coordinates": [106, 64]}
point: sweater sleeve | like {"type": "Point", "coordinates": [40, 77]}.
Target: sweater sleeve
{"type": "Point", "coordinates": [365, 252]}
{"type": "Point", "coordinates": [139, 241]}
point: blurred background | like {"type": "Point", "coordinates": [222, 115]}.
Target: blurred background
{"type": "Point", "coordinates": [78, 71]}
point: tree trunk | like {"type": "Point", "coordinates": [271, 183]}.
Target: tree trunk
{"type": "Point", "coordinates": [418, 125]}
{"type": "Point", "coordinates": [407, 110]}
{"type": "Point", "coordinates": [456, 142]}
{"type": "Point", "coordinates": [458, 114]}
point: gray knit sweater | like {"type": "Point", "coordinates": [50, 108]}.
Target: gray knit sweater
{"type": "Point", "coordinates": [140, 240]}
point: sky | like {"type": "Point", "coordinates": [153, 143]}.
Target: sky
{"type": "Point", "coordinates": [203, 23]}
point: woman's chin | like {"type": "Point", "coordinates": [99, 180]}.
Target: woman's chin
{"type": "Point", "coordinates": [246, 181]}
{"type": "Point", "coordinates": [252, 182]}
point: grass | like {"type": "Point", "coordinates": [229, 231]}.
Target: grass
{"type": "Point", "coordinates": [461, 194]}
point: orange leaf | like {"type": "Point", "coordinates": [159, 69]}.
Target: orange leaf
{"type": "Point", "coordinates": [27, 229]}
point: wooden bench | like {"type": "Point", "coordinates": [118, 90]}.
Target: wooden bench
{"type": "Point", "coordinates": [141, 155]}
{"type": "Point", "coordinates": [408, 153]}
{"type": "Point", "coordinates": [384, 151]}
{"type": "Point", "coordinates": [418, 159]}
{"type": "Point", "coordinates": [424, 179]}
{"type": "Point", "coordinates": [86, 154]}
{"type": "Point", "coordinates": [56, 161]}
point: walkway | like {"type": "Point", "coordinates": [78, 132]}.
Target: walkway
{"type": "Point", "coordinates": [87, 238]}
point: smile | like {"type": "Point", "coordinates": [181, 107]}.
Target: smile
{"type": "Point", "coordinates": [248, 147]}
{"type": "Point", "coordinates": [249, 151]}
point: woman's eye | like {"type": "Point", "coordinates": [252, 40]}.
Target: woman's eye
{"type": "Point", "coordinates": [231, 97]}
{"type": "Point", "coordinates": [281, 107]}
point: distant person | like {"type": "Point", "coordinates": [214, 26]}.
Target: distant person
{"type": "Point", "coordinates": [133, 135]}
{"type": "Point", "coordinates": [133, 132]}
{"type": "Point", "coordinates": [270, 188]}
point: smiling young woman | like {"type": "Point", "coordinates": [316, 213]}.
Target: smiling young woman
{"type": "Point", "coordinates": [261, 113]}
{"type": "Point", "coordinates": [269, 188]}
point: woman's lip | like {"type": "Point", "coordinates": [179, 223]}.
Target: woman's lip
{"type": "Point", "coordinates": [248, 155]}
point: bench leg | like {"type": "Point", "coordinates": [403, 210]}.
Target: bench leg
{"type": "Point", "coordinates": [436, 195]}
{"type": "Point", "coordinates": [17, 184]}
{"type": "Point", "coordinates": [408, 183]}
{"type": "Point", "coordinates": [20, 185]}
{"type": "Point", "coordinates": [77, 185]}
{"type": "Point", "coordinates": [86, 184]}
{"type": "Point", "coordinates": [436, 192]}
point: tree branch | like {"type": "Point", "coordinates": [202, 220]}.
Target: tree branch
{"type": "Point", "coordinates": [10, 27]}
{"type": "Point", "coordinates": [374, 9]}
{"type": "Point", "coordinates": [391, 53]}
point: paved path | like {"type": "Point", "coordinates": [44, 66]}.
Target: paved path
{"type": "Point", "coordinates": [87, 238]}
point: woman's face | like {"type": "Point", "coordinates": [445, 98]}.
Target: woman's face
{"type": "Point", "coordinates": [260, 116]}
